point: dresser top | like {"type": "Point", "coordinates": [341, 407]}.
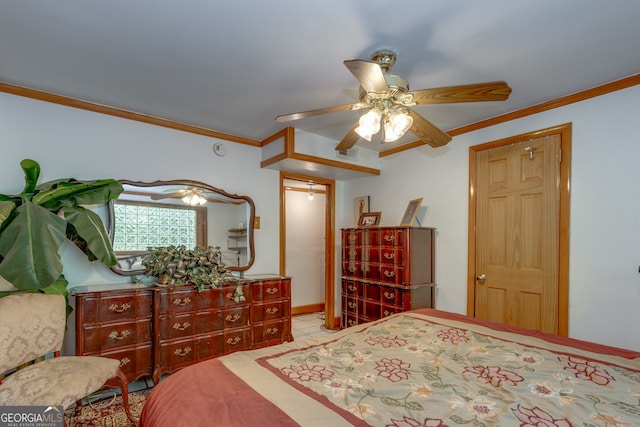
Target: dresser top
{"type": "Point", "coordinates": [106, 287]}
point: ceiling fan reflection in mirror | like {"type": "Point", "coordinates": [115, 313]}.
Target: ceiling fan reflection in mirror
{"type": "Point", "coordinates": [189, 196]}
{"type": "Point", "coordinates": [388, 98]}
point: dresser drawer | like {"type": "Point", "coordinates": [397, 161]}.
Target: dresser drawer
{"type": "Point", "coordinates": [236, 317]}
{"type": "Point", "coordinates": [351, 287]}
{"type": "Point", "coordinates": [237, 339]}
{"type": "Point", "coordinates": [135, 362]}
{"type": "Point", "coordinates": [271, 310]}
{"type": "Point", "coordinates": [104, 308]}
{"type": "Point", "coordinates": [231, 297]}
{"type": "Point", "coordinates": [392, 237]}
{"type": "Point", "coordinates": [269, 331]}
{"type": "Point", "coordinates": [98, 338]}
{"type": "Point", "coordinates": [392, 255]}
{"type": "Point", "coordinates": [269, 290]}
{"type": "Point", "coordinates": [392, 274]}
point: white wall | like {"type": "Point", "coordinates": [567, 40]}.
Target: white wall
{"type": "Point", "coordinates": [305, 248]}
{"type": "Point", "coordinates": [604, 290]}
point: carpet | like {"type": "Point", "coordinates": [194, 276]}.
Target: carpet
{"type": "Point", "coordinates": [107, 412]}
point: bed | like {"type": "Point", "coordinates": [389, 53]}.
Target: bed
{"type": "Point", "coordinates": [419, 368]}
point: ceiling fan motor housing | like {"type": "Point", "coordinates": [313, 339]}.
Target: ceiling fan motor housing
{"type": "Point", "coordinates": [397, 93]}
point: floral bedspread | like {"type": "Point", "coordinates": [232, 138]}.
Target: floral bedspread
{"type": "Point", "coordinates": [412, 370]}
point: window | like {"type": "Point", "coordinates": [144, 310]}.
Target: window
{"type": "Point", "coordinates": [140, 225]}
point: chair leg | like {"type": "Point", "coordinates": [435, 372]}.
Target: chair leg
{"type": "Point", "coordinates": [124, 387]}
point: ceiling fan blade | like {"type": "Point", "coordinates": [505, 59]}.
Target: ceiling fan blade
{"type": "Point", "coordinates": [349, 139]}
{"type": "Point", "coordinates": [427, 131]}
{"type": "Point", "coordinates": [173, 195]}
{"type": "Point", "coordinates": [369, 75]}
{"type": "Point", "coordinates": [310, 113]}
{"type": "Point", "coordinates": [478, 92]}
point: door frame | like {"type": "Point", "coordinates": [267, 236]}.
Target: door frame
{"type": "Point", "coordinates": [329, 264]}
{"type": "Point", "coordinates": [565, 189]}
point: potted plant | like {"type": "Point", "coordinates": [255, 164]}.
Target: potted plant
{"type": "Point", "coordinates": [35, 223]}
{"type": "Point", "coordinates": [177, 266]}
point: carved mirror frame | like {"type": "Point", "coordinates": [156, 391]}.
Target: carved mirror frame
{"type": "Point", "coordinates": [129, 264]}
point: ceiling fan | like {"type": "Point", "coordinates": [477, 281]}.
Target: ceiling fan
{"type": "Point", "coordinates": [190, 196]}
{"type": "Point", "coordinates": [388, 98]}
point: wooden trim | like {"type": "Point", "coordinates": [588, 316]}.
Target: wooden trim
{"type": "Point", "coordinates": [565, 131]}
{"type": "Point", "coordinates": [307, 309]}
{"type": "Point", "coordinates": [404, 147]}
{"type": "Point", "coordinates": [593, 92]}
{"type": "Point", "coordinates": [123, 114]}
{"type": "Point", "coordinates": [275, 159]}
{"type": "Point", "coordinates": [334, 163]}
{"type": "Point", "coordinates": [280, 134]}
{"type": "Point", "coordinates": [329, 266]}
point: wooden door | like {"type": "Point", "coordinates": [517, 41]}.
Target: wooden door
{"type": "Point", "coordinates": [516, 278]}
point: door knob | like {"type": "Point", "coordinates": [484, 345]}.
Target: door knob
{"type": "Point", "coordinates": [481, 277]}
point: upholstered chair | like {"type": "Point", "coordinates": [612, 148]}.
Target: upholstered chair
{"type": "Point", "coordinates": [33, 325]}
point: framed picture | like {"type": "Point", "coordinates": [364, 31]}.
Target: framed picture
{"type": "Point", "coordinates": [360, 205]}
{"type": "Point", "coordinates": [411, 212]}
{"type": "Point", "coordinates": [369, 219]}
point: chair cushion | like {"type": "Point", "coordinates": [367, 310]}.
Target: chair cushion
{"type": "Point", "coordinates": [58, 381]}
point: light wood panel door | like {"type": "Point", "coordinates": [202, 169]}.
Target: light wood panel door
{"type": "Point", "coordinates": [517, 233]}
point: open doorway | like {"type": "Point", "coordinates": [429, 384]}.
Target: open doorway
{"type": "Point", "coordinates": [306, 243]}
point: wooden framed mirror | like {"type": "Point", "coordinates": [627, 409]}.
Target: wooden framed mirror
{"type": "Point", "coordinates": [180, 212]}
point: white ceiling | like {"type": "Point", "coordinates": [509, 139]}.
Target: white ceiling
{"type": "Point", "coordinates": [234, 65]}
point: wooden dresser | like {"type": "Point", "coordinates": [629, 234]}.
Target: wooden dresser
{"type": "Point", "coordinates": [386, 270]}
{"type": "Point", "coordinates": [156, 330]}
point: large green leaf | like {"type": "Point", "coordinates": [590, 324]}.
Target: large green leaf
{"type": "Point", "coordinates": [89, 227]}
{"type": "Point", "coordinates": [70, 192]}
{"type": "Point", "coordinates": [29, 246]}
{"type": "Point", "coordinates": [6, 207]}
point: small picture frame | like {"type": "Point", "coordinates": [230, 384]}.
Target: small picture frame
{"type": "Point", "coordinates": [360, 205]}
{"type": "Point", "coordinates": [369, 219]}
{"type": "Point", "coordinates": [410, 213]}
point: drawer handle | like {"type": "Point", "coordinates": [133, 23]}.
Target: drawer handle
{"type": "Point", "coordinates": [182, 353]}
{"type": "Point", "coordinates": [272, 310]}
{"type": "Point", "coordinates": [351, 304]}
{"type": "Point", "coordinates": [389, 238]}
{"type": "Point", "coordinates": [232, 318]}
{"type": "Point", "coordinates": [352, 288]}
{"type": "Point", "coordinates": [119, 308]}
{"type": "Point", "coordinates": [233, 341]}
{"type": "Point", "coordinates": [389, 273]}
{"type": "Point", "coordinates": [123, 335]}
{"type": "Point", "coordinates": [272, 331]}
{"type": "Point", "coordinates": [352, 238]}
{"type": "Point", "coordinates": [389, 255]}
{"type": "Point", "coordinates": [124, 361]}
{"type": "Point", "coordinates": [182, 327]}
{"type": "Point", "coordinates": [353, 253]}
{"type": "Point", "coordinates": [182, 302]}
{"type": "Point", "coordinates": [272, 291]}
{"type": "Point", "coordinates": [352, 269]}
{"type": "Point", "coordinates": [389, 295]}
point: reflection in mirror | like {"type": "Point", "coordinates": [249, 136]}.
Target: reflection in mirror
{"type": "Point", "coordinates": [180, 212]}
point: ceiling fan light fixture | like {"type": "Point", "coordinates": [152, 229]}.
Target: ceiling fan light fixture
{"type": "Point", "coordinates": [397, 122]}
{"type": "Point", "coordinates": [194, 199]}
{"type": "Point", "coordinates": [369, 124]}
